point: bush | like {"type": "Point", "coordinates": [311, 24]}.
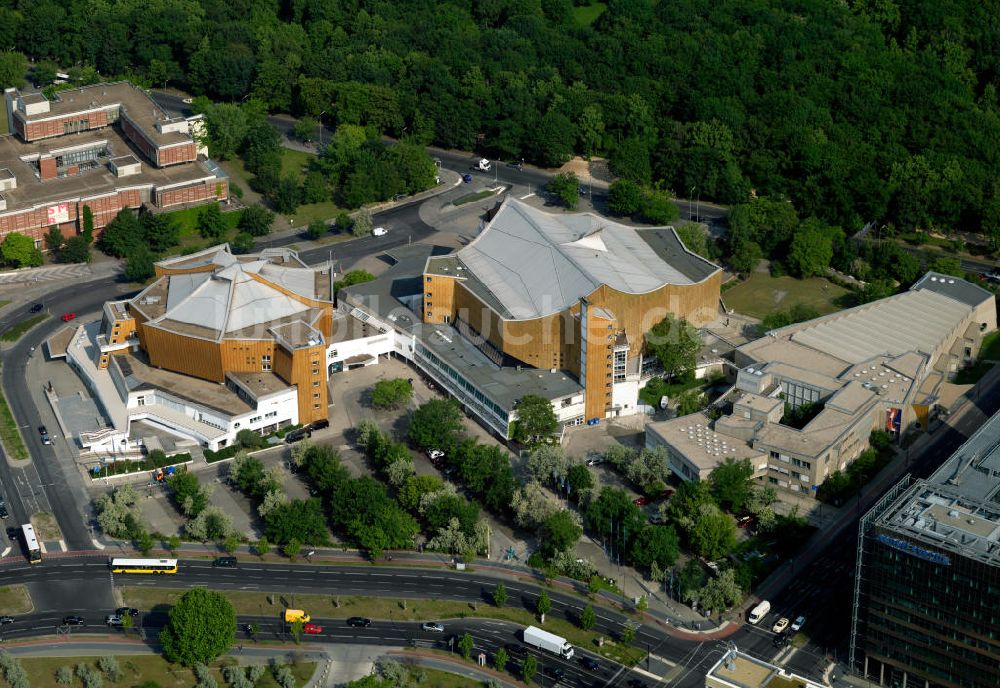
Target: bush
{"type": "Point", "coordinates": [256, 221]}
{"type": "Point", "coordinates": [243, 243]}
{"type": "Point", "coordinates": [316, 229]}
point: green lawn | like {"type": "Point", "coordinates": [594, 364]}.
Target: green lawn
{"type": "Point", "coordinates": [14, 332]}
{"type": "Point", "coordinates": [4, 302]}
{"type": "Point", "coordinates": [305, 214]}
{"type": "Point", "coordinates": [187, 219]}
{"type": "Point", "coordinates": [295, 162]}
{"type": "Point", "coordinates": [9, 434]}
{"type": "Point", "coordinates": [473, 197]}
{"type": "Point", "coordinates": [990, 350]}
{"type": "Point", "coordinates": [137, 669]}
{"type": "Point", "coordinates": [14, 599]}
{"type": "Point", "coordinates": [588, 14]}
{"type": "Point", "coordinates": [762, 294]}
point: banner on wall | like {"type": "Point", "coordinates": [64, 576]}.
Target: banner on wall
{"type": "Point", "coordinates": [892, 420]}
{"type": "Point", "coordinates": [58, 214]}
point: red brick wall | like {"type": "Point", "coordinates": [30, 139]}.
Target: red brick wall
{"type": "Point", "coordinates": [35, 223]}
{"type": "Point", "coordinates": [54, 127]}
{"type": "Point", "coordinates": [177, 154]}
{"type": "Point", "coordinates": [106, 208]}
{"type": "Point", "coordinates": [47, 168]}
{"type": "Point", "coordinates": [134, 134]}
{"type": "Point", "coordinates": [195, 193]}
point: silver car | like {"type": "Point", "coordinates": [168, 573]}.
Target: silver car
{"type": "Point", "coordinates": [433, 626]}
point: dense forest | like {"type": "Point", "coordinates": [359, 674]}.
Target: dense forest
{"type": "Point", "coordinates": [881, 110]}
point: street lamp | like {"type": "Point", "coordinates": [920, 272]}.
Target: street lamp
{"type": "Point", "coordinates": [319, 118]}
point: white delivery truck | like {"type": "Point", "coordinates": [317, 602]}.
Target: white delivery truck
{"type": "Point", "coordinates": [759, 612]}
{"type": "Point", "coordinates": [484, 165]}
{"type": "Point", "coordinates": [544, 640]}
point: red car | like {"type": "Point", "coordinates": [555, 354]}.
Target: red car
{"type": "Point", "coordinates": [68, 316]}
{"type": "Point", "coordinates": [744, 521]}
{"type": "Point", "coordinates": [312, 629]}
{"type": "Point", "coordinates": [640, 501]}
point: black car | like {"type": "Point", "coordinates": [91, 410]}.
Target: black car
{"type": "Point", "coordinates": [73, 620]}
{"type": "Point", "coordinates": [319, 424]}
{"type": "Point", "coordinates": [44, 434]}
{"type": "Point", "coordinates": [130, 611]}
{"type": "Point", "coordinates": [4, 620]}
{"type": "Point", "coordinates": [3, 509]}
{"type": "Point", "coordinates": [297, 435]}
{"type": "Point", "coordinates": [635, 683]}
{"type": "Point", "coordinates": [780, 640]}
{"type": "Point", "coordinates": [37, 307]}
{"type": "Point", "coordinates": [359, 622]}
{"type": "Point", "coordinates": [555, 673]}
{"type": "Point", "coordinates": [515, 650]}
{"type": "Point", "coordinates": [589, 663]}
{"type": "Point", "coordinates": [13, 534]}
{"type": "Point", "coordinates": [225, 562]}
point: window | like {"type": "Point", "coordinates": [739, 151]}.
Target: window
{"type": "Point", "coordinates": [236, 425]}
{"type": "Point", "coordinates": [257, 419]}
{"type": "Point", "coordinates": [270, 414]}
{"type": "Point", "coordinates": [265, 363]}
{"type": "Point", "coordinates": [315, 383]}
{"type": "Point", "coordinates": [315, 406]}
{"type": "Point", "coordinates": [333, 354]}
{"type": "Point", "coordinates": [140, 401]}
{"type": "Point", "coordinates": [316, 395]}
{"type": "Point", "coordinates": [315, 371]}
{"type": "Point", "coordinates": [447, 318]}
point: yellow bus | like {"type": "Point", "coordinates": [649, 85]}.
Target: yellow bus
{"type": "Point", "coordinates": [143, 565]}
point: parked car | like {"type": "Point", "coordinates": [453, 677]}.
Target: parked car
{"type": "Point", "coordinates": [297, 435]}
{"type": "Point", "coordinates": [467, 178]}
{"type": "Point", "coordinates": [640, 501]}
{"type": "Point", "coordinates": [433, 627]}
{"type": "Point", "coordinates": [37, 308]}
{"type": "Point", "coordinates": [130, 611]}
{"type": "Point", "coordinates": [68, 316]}
{"type": "Point", "coordinates": [73, 620]}
{"type": "Point", "coordinates": [319, 424]}
{"type": "Point", "coordinates": [596, 461]}
{"type": "Point", "coordinates": [114, 620]}
{"type": "Point", "coordinates": [312, 629]}
{"type": "Point", "coordinates": [43, 432]}
{"type": "Point", "coordinates": [3, 509]}
{"type": "Point", "coordinates": [359, 622]}
{"type": "Point", "coordinates": [780, 640]}
{"type": "Point", "coordinates": [780, 625]}
{"type": "Point", "coordinates": [4, 620]}
{"type": "Point", "coordinates": [744, 521]}
{"type": "Point", "coordinates": [797, 625]}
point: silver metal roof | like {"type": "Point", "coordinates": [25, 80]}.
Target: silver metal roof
{"type": "Point", "coordinates": [917, 320]}
{"type": "Point", "coordinates": [535, 263]}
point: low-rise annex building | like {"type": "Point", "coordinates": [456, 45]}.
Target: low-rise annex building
{"type": "Point", "coordinates": [879, 365]}
{"type": "Point", "coordinates": [107, 147]}
{"type": "Point", "coordinates": [217, 344]}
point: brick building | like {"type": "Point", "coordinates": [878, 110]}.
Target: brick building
{"type": "Point", "coordinates": [107, 146]}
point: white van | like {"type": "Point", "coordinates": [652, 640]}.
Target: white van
{"type": "Point", "coordinates": [759, 612]}
{"type": "Point", "coordinates": [380, 231]}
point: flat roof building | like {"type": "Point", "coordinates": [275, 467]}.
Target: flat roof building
{"type": "Point", "coordinates": [928, 575]}
{"type": "Point", "coordinates": [739, 670]}
{"type": "Point", "coordinates": [107, 147]}
{"type": "Point", "coordinates": [879, 365]}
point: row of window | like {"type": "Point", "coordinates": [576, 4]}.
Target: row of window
{"type": "Point", "coordinates": [464, 384]}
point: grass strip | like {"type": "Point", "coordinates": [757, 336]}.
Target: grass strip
{"type": "Point", "coordinates": [14, 599]}
{"type": "Point", "coordinates": [9, 434]}
{"type": "Point", "coordinates": [13, 333]}
{"type": "Point", "coordinates": [327, 607]}
{"type": "Point", "coordinates": [139, 669]}
{"type": "Point", "coordinates": [473, 197]}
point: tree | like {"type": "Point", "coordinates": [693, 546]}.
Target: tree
{"type": "Point", "coordinates": [242, 243]}
{"type": "Point", "coordinates": [713, 534]}
{"type": "Point", "coordinates": [189, 495]}
{"type": "Point", "coordinates": [262, 546]}
{"type": "Point", "coordinates": [614, 514]}
{"type": "Point", "coordinates": [499, 660]}
{"type": "Point", "coordinates": [547, 464]}
{"type": "Point", "coordinates": [76, 249]}
{"type": "Point", "coordinates": [466, 644]}
{"type": "Point", "coordinates": [292, 549]}
{"type": "Point", "coordinates": [624, 197]}
{"type": "Point", "coordinates": [353, 277]}
{"type": "Point", "coordinates": [256, 221]}
{"type": "Point", "coordinates": [811, 249]}
{"type": "Point", "coordinates": [531, 506]}
{"type": "Point", "coordinates": [588, 617]}
{"type": "Point", "coordinates": [392, 394]}
{"type": "Point", "coordinates": [200, 628]}
{"type": "Point", "coordinates": [658, 207]}
{"type": "Point", "coordinates": [226, 127]}
{"type": "Point", "coordinates": [580, 480]}
{"type": "Point", "coordinates": [732, 483]}
{"type": "Point", "coordinates": [685, 506]}
{"type": "Point", "coordinates": [656, 545]}
{"type": "Point", "coordinates": [675, 344]}
{"type": "Point", "coordinates": [535, 418]}
{"type": "Point", "coordinates": [544, 604]}
{"type": "Point", "coordinates": [159, 231]}
{"type": "Point", "coordinates": [745, 255]}
{"type": "Point", "coordinates": [297, 519]}
{"type": "Point", "coordinates": [565, 186]}
{"type": "Point", "coordinates": [362, 225]}
{"type": "Point", "coordinates": [316, 229]}
{"type": "Point", "coordinates": [139, 264]}
{"type": "Point", "coordinates": [314, 188]}
{"type": "Point", "coordinates": [560, 532]}
{"type": "Point", "coordinates": [13, 67]}
{"type": "Point", "coordinates": [948, 266]}
{"type": "Point", "coordinates": [720, 592]}
{"type": "Point", "coordinates": [436, 424]}
{"type": "Point", "coordinates": [628, 635]}
{"type": "Point", "coordinates": [304, 129]}
{"type": "Point", "coordinates": [344, 222]}
{"type": "Point", "coordinates": [173, 543]}
{"type": "Point", "coordinates": [690, 579]}
{"type": "Point", "coordinates": [53, 239]}
{"type": "Point", "coordinates": [500, 595]}
{"type": "Point", "coordinates": [88, 224]}
{"type": "Point", "coordinates": [19, 250]}
{"type": "Point", "coordinates": [211, 224]}
{"type": "Point", "coordinates": [287, 195]}
{"type": "Point", "coordinates": [529, 668]}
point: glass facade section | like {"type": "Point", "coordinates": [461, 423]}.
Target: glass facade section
{"type": "Point", "coordinates": [492, 413]}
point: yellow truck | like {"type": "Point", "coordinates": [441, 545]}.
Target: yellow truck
{"type": "Point", "coordinates": [293, 615]}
